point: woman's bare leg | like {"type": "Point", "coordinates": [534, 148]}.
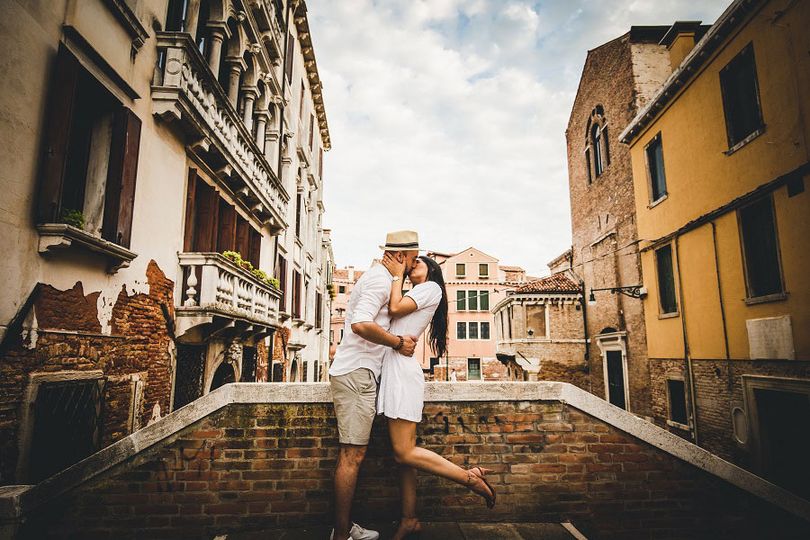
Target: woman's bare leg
{"type": "Point", "coordinates": [403, 441]}
{"type": "Point", "coordinates": [407, 488]}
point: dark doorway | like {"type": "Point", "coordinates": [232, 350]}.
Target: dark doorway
{"type": "Point", "coordinates": [784, 433]}
{"type": "Point", "coordinates": [278, 372]}
{"type": "Point", "coordinates": [294, 372]}
{"type": "Point", "coordinates": [223, 375]}
{"type": "Point", "coordinates": [249, 358]}
{"type": "Point", "coordinates": [615, 374]}
{"type": "Point", "coordinates": [188, 381]}
{"type": "Point", "coordinates": [67, 425]}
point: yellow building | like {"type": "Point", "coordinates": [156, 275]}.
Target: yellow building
{"type": "Point", "coordinates": [720, 162]}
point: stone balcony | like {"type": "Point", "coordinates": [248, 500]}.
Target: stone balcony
{"type": "Point", "coordinates": [185, 92]}
{"type": "Point", "coordinates": [253, 460]}
{"type": "Point", "coordinates": [219, 293]}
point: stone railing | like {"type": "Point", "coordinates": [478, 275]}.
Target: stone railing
{"type": "Point", "coordinates": [213, 286]}
{"type": "Point", "coordinates": [259, 456]}
{"type": "Point", "coordinates": [186, 91]}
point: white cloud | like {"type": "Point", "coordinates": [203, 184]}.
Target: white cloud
{"type": "Point", "coordinates": [448, 117]}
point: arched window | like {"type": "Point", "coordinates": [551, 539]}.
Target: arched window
{"type": "Point", "coordinates": [597, 154]}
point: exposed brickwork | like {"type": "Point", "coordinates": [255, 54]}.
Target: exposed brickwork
{"type": "Point", "coordinates": [262, 367]}
{"type": "Point", "coordinates": [718, 388]}
{"type": "Point", "coordinates": [617, 76]}
{"type": "Point", "coordinates": [261, 466]}
{"type": "Point", "coordinates": [280, 339]}
{"type": "Point", "coordinates": [138, 348]}
{"type": "Point", "coordinates": [491, 369]}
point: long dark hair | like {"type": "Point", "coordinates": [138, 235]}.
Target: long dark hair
{"type": "Point", "coordinates": [438, 326]}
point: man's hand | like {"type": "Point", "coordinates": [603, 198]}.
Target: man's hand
{"type": "Point", "coordinates": [408, 346]}
{"type": "Point", "coordinates": [395, 264]}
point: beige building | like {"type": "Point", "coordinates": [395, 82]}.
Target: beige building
{"type": "Point", "coordinates": [540, 334]}
{"type": "Point", "coordinates": [162, 166]}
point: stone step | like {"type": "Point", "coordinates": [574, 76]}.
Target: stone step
{"type": "Point", "coordinates": [430, 531]}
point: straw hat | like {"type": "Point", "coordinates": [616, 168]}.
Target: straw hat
{"type": "Point", "coordinates": [401, 241]}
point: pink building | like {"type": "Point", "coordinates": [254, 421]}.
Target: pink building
{"type": "Point", "coordinates": [343, 281]}
{"type": "Point", "coordinates": [475, 284]}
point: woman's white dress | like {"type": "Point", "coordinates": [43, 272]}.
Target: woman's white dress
{"type": "Point", "coordinates": [402, 383]}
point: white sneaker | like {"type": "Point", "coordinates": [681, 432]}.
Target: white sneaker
{"type": "Point", "coordinates": [359, 533]}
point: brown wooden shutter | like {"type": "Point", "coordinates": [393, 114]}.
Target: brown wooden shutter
{"type": "Point", "coordinates": [320, 163]}
{"type": "Point", "coordinates": [188, 232]}
{"type": "Point", "coordinates": [243, 237]}
{"type": "Point", "coordinates": [255, 247]}
{"type": "Point", "coordinates": [60, 120]}
{"type": "Point", "coordinates": [311, 130]}
{"type": "Point", "coordinates": [122, 172]}
{"type": "Point", "coordinates": [205, 223]}
{"type": "Point", "coordinates": [281, 274]}
{"type": "Point", "coordinates": [226, 237]}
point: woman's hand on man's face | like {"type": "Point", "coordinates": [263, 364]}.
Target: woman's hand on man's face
{"type": "Point", "coordinates": [395, 264]}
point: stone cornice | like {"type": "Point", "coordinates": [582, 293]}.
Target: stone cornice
{"type": "Point", "coordinates": [315, 86]}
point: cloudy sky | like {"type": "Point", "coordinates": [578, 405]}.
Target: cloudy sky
{"type": "Point", "coordinates": [448, 117]}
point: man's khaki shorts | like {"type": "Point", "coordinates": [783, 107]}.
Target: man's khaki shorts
{"type": "Point", "coordinates": [355, 398]}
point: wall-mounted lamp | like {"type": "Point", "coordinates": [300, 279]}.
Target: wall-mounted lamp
{"type": "Point", "coordinates": [633, 291]}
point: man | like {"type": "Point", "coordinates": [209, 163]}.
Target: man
{"type": "Point", "coordinates": [355, 373]}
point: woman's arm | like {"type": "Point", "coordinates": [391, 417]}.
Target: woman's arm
{"type": "Point", "coordinates": [398, 305]}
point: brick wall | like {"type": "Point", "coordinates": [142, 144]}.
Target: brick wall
{"type": "Point", "coordinates": [718, 388]}
{"type": "Point", "coordinates": [603, 212]}
{"type": "Point", "coordinates": [260, 466]}
{"type": "Point", "coordinates": [491, 369]}
{"type": "Point", "coordinates": [69, 338]}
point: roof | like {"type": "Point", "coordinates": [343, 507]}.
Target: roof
{"type": "Point", "coordinates": [512, 268]}
{"type": "Point", "coordinates": [555, 283]}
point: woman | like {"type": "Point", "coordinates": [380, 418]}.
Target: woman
{"type": "Point", "coordinates": [402, 384]}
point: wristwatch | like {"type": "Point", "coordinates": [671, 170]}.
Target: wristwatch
{"type": "Point", "coordinates": [395, 278]}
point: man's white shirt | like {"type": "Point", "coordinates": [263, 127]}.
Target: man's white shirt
{"type": "Point", "coordinates": [367, 303]}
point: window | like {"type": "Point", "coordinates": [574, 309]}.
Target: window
{"type": "Point", "coordinates": [320, 163]}
{"type": "Point", "coordinates": [461, 330]}
{"type": "Point", "coordinates": [588, 164]}
{"type": "Point", "coordinates": [763, 274]}
{"type": "Point", "coordinates": [472, 300]}
{"type": "Point", "coordinates": [484, 330]}
{"type": "Point", "coordinates": [461, 270]}
{"type": "Point", "coordinates": [738, 84]}
{"type": "Point", "coordinates": [596, 139]}
{"type": "Point", "coordinates": [90, 160]}
{"type": "Point", "coordinates": [472, 332]}
{"type": "Point", "coordinates": [318, 310]}
{"type": "Point", "coordinates": [301, 100]}
{"type": "Point", "coordinates": [483, 300]}
{"type": "Point", "coordinates": [299, 203]}
{"type": "Point", "coordinates": [536, 321]}
{"type": "Point", "coordinates": [461, 300]}
{"type": "Point", "coordinates": [655, 167]}
{"type": "Point", "coordinates": [341, 334]}
{"type": "Point", "coordinates": [305, 366]}
{"type": "Point", "coordinates": [676, 391]}
{"type": "Point", "coordinates": [281, 275]}
{"type": "Point", "coordinates": [483, 270]}
{"type": "Point", "coordinates": [473, 369]}
{"type": "Point", "coordinates": [666, 280]}
{"type": "Point", "coordinates": [296, 298]}
{"type": "Point", "coordinates": [342, 289]}
{"type": "Point", "coordinates": [311, 131]}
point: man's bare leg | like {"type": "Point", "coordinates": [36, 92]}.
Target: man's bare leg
{"type": "Point", "coordinates": [350, 457]}
{"type": "Point", "coordinates": [407, 489]}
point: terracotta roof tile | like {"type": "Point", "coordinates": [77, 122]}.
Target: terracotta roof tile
{"type": "Point", "coordinates": [556, 283]}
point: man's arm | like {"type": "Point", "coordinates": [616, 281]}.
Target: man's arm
{"type": "Point", "coordinates": [373, 332]}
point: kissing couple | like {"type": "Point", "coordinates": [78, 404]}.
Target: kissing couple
{"type": "Point", "coordinates": [374, 373]}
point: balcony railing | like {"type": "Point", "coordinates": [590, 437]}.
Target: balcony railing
{"type": "Point", "coordinates": [185, 91]}
{"type": "Point", "coordinates": [216, 289]}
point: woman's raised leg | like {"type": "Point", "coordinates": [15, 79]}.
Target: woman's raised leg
{"type": "Point", "coordinates": [403, 442]}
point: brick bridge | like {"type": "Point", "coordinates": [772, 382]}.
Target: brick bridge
{"type": "Point", "coordinates": [259, 457]}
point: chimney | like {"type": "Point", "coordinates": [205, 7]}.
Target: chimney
{"type": "Point", "coordinates": [351, 274]}
{"type": "Point", "coordinates": [680, 39]}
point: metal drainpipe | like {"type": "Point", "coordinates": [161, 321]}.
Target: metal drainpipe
{"type": "Point", "coordinates": [722, 307]}
{"type": "Point", "coordinates": [687, 354]}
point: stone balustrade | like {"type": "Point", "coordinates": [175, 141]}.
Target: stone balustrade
{"type": "Point", "coordinates": [214, 287]}
{"type": "Point", "coordinates": [186, 91]}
